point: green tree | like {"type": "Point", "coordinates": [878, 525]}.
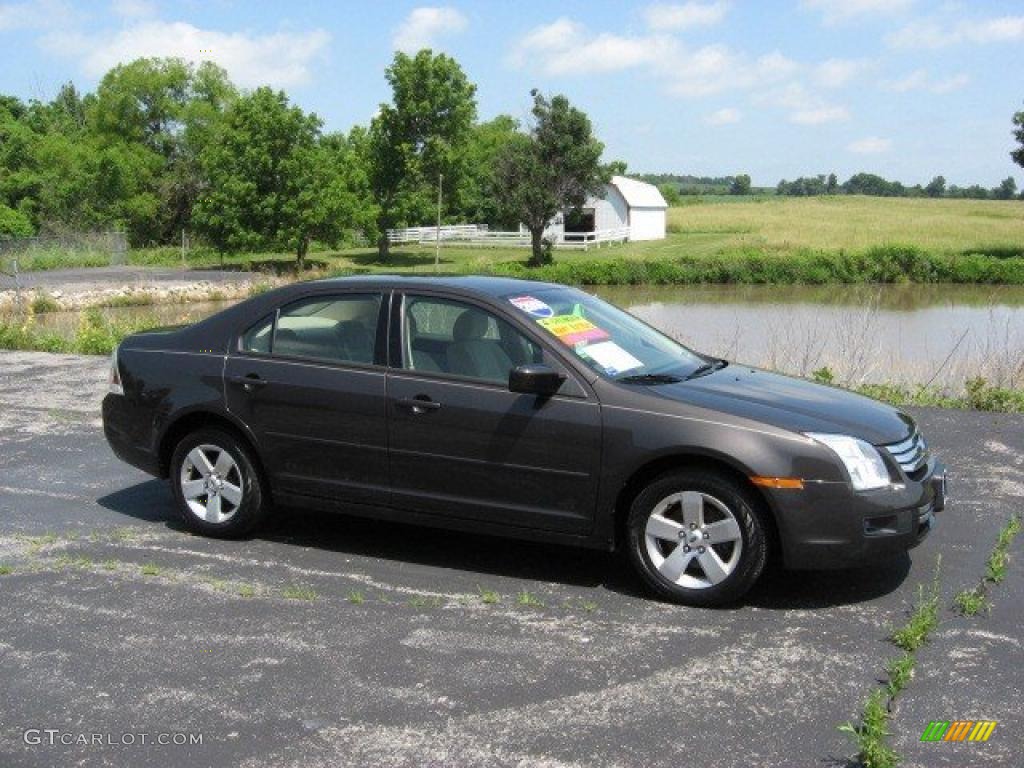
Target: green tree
{"type": "Point", "coordinates": [1018, 134]}
{"type": "Point", "coordinates": [272, 182]}
{"type": "Point", "coordinates": [143, 101]}
{"type": "Point", "coordinates": [936, 187]}
{"type": "Point", "coordinates": [553, 168]}
{"type": "Point", "coordinates": [832, 185]}
{"type": "Point", "coordinates": [488, 140]}
{"type": "Point", "coordinates": [671, 193]}
{"type": "Point", "coordinates": [740, 185]}
{"type": "Point", "coordinates": [1006, 190]}
{"type": "Point", "coordinates": [171, 108]}
{"type": "Point", "coordinates": [418, 138]}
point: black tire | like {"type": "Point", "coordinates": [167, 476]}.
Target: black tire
{"type": "Point", "coordinates": [738, 500]}
{"type": "Point", "coordinates": [254, 505]}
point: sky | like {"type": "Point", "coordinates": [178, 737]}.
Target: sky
{"type": "Point", "coordinates": [775, 88]}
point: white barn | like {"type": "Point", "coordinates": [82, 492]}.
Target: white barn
{"type": "Point", "coordinates": [625, 203]}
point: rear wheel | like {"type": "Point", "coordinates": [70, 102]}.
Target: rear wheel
{"type": "Point", "coordinates": [697, 538]}
{"type": "Point", "coordinates": [217, 487]}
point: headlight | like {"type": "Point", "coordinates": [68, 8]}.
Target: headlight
{"type": "Point", "coordinates": [862, 460]}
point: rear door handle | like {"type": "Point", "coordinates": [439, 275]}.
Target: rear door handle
{"type": "Point", "coordinates": [418, 404]}
{"type": "Point", "coordinates": [250, 381]}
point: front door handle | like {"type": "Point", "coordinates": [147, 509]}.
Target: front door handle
{"type": "Point", "coordinates": [250, 381]}
{"type": "Point", "coordinates": [418, 404]}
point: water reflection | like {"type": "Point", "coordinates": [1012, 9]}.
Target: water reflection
{"type": "Point", "coordinates": [904, 333]}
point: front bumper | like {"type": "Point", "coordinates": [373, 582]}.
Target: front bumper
{"type": "Point", "coordinates": [828, 525]}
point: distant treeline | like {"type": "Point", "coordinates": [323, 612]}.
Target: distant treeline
{"type": "Point", "coordinates": [876, 186]}
{"type": "Point", "coordinates": [674, 186]}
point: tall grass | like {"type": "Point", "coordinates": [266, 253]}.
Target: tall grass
{"type": "Point", "coordinates": [880, 264]}
{"type": "Point", "coordinates": [95, 334]}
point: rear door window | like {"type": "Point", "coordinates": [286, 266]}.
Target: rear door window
{"type": "Point", "coordinates": [340, 329]}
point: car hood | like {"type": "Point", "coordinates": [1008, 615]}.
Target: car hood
{"type": "Point", "coordinates": [790, 403]}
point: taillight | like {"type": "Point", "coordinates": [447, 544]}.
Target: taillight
{"type": "Point", "coordinates": [114, 385]}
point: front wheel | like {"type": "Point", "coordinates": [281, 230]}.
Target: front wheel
{"type": "Point", "coordinates": [217, 487]}
{"type": "Point", "coordinates": [697, 538]}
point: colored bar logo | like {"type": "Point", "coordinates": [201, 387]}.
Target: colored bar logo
{"type": "Point", "coordinates": [958, 730]}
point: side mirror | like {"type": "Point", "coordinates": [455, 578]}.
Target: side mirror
{"type": "Point", "coordinates": [535, 379]}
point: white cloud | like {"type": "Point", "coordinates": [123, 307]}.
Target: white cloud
{"type": "Point", "coordinates": [425, 26]}
{"type": "Point", "coordinates": [820, 115]}
{"type": "Point", "coordinates": [835, 73]}
{"type": "Point", "coordinates": [804, 107]}
{"type": "Point", "coordinates": [934, 34]}
{"type": "Point", "coordinates": [842, 11]}
{"type": "Point", "coordinates": [726, 116]}
{"type": "Point", "coordinates": [133, 9]}
{"type": "Point", "coordinates": [667, 16]}
{"type": "Point", "coordinates": [950, 84]}
{"type": "Point", "coordinates": [36, 14]}
{"type": "Point", "coordinates": [564, 47]}
{"type": "Point", "coordinates": [279, 59]}
{"type": "Point", "coordinates": [871, 145]}
{"type": "Point", "coordinates": [919, 80]}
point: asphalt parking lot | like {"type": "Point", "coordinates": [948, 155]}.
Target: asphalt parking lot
{"type": "Point", "coordinates": [327, 641]}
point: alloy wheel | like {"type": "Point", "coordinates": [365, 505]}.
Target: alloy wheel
{"type": "Point", "coordinates": [211, 483]}
{"type": "Point", "coordinates": [693, 540]}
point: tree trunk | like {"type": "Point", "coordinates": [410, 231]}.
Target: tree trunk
{"type": "Point", "coordinates": [383, 247]}
{"type": "Point", "coordinates": [538, 258]}
{"type": "Point", "coordinates": [300, 254]}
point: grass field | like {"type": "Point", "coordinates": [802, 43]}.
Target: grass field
{"type": "Point", "coordinates": [761, 239]}
{"type": "Point", "coordinates": [857, 223]}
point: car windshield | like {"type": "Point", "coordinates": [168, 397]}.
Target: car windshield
{"type": "Point", "coordinates": [610, 341]}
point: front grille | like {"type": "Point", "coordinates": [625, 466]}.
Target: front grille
{"type": "Point", "coordinates": [911, 454]}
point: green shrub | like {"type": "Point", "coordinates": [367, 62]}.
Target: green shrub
{"type": "Point", "coordinates": [751, 264]}
{"type": "Point", "coordinates": [44, 302]}
{"type": "Point", "coordinates": [14, 223]}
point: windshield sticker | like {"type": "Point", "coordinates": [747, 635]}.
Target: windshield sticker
{"type": "Point", "coordinates": [533, 306]}
{"type": "Point", "coordinates": [613, 358]}
{"type": "Point", "coordinates": [572, 330]}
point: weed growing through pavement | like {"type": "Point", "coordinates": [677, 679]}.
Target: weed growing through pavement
{"type": "Point", "coordinates": [488, 596]}
{"type": "Point", "coordinates": [298, 592]}
{"type": "Point", "coordinates": [899, 671]}
{"type": "Point", "coordinates": [971, 602]}
{"type": "Point", "coordinates": [529, 600]}
{"type": "Point", "coordinates": [871, 735]}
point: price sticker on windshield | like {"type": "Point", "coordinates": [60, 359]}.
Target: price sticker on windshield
{"type": "Point", "coordinates": [572, 329]}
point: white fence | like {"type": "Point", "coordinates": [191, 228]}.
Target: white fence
{"type": "Point", "coordinates": [479, 234]}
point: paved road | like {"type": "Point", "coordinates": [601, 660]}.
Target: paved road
{"type": "Point", "coordinates": [119, 622]}
{"type": "Point", "coordinates": [104, 277]}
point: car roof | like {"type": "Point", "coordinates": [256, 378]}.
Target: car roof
{"type": "Point", "coordinates": [480, 284]}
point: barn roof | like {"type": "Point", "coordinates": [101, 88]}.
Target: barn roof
{"type": "Point", "coordinates": [638, 194]}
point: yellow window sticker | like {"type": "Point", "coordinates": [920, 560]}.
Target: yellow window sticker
{"type": "Point", "coordinates": [572, 329]}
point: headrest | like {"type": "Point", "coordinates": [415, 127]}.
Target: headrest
{"type": "Point", "coordinates": [471, 324]}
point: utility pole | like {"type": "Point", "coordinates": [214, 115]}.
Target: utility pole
{"type": "Point", "coordinates": [437, 239]}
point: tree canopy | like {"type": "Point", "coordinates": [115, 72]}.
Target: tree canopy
{"type": "Point", "coordinates": [553, 167]}
{"type": "Point", "coordinates": [420, 139]}
{"type": "Point", "coordinates": [272, 182]}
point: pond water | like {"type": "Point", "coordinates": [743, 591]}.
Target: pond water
{"type": "Point", "coordinates": [863, 333]}
{"type": "Point", "coordinates": [902, 333]}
